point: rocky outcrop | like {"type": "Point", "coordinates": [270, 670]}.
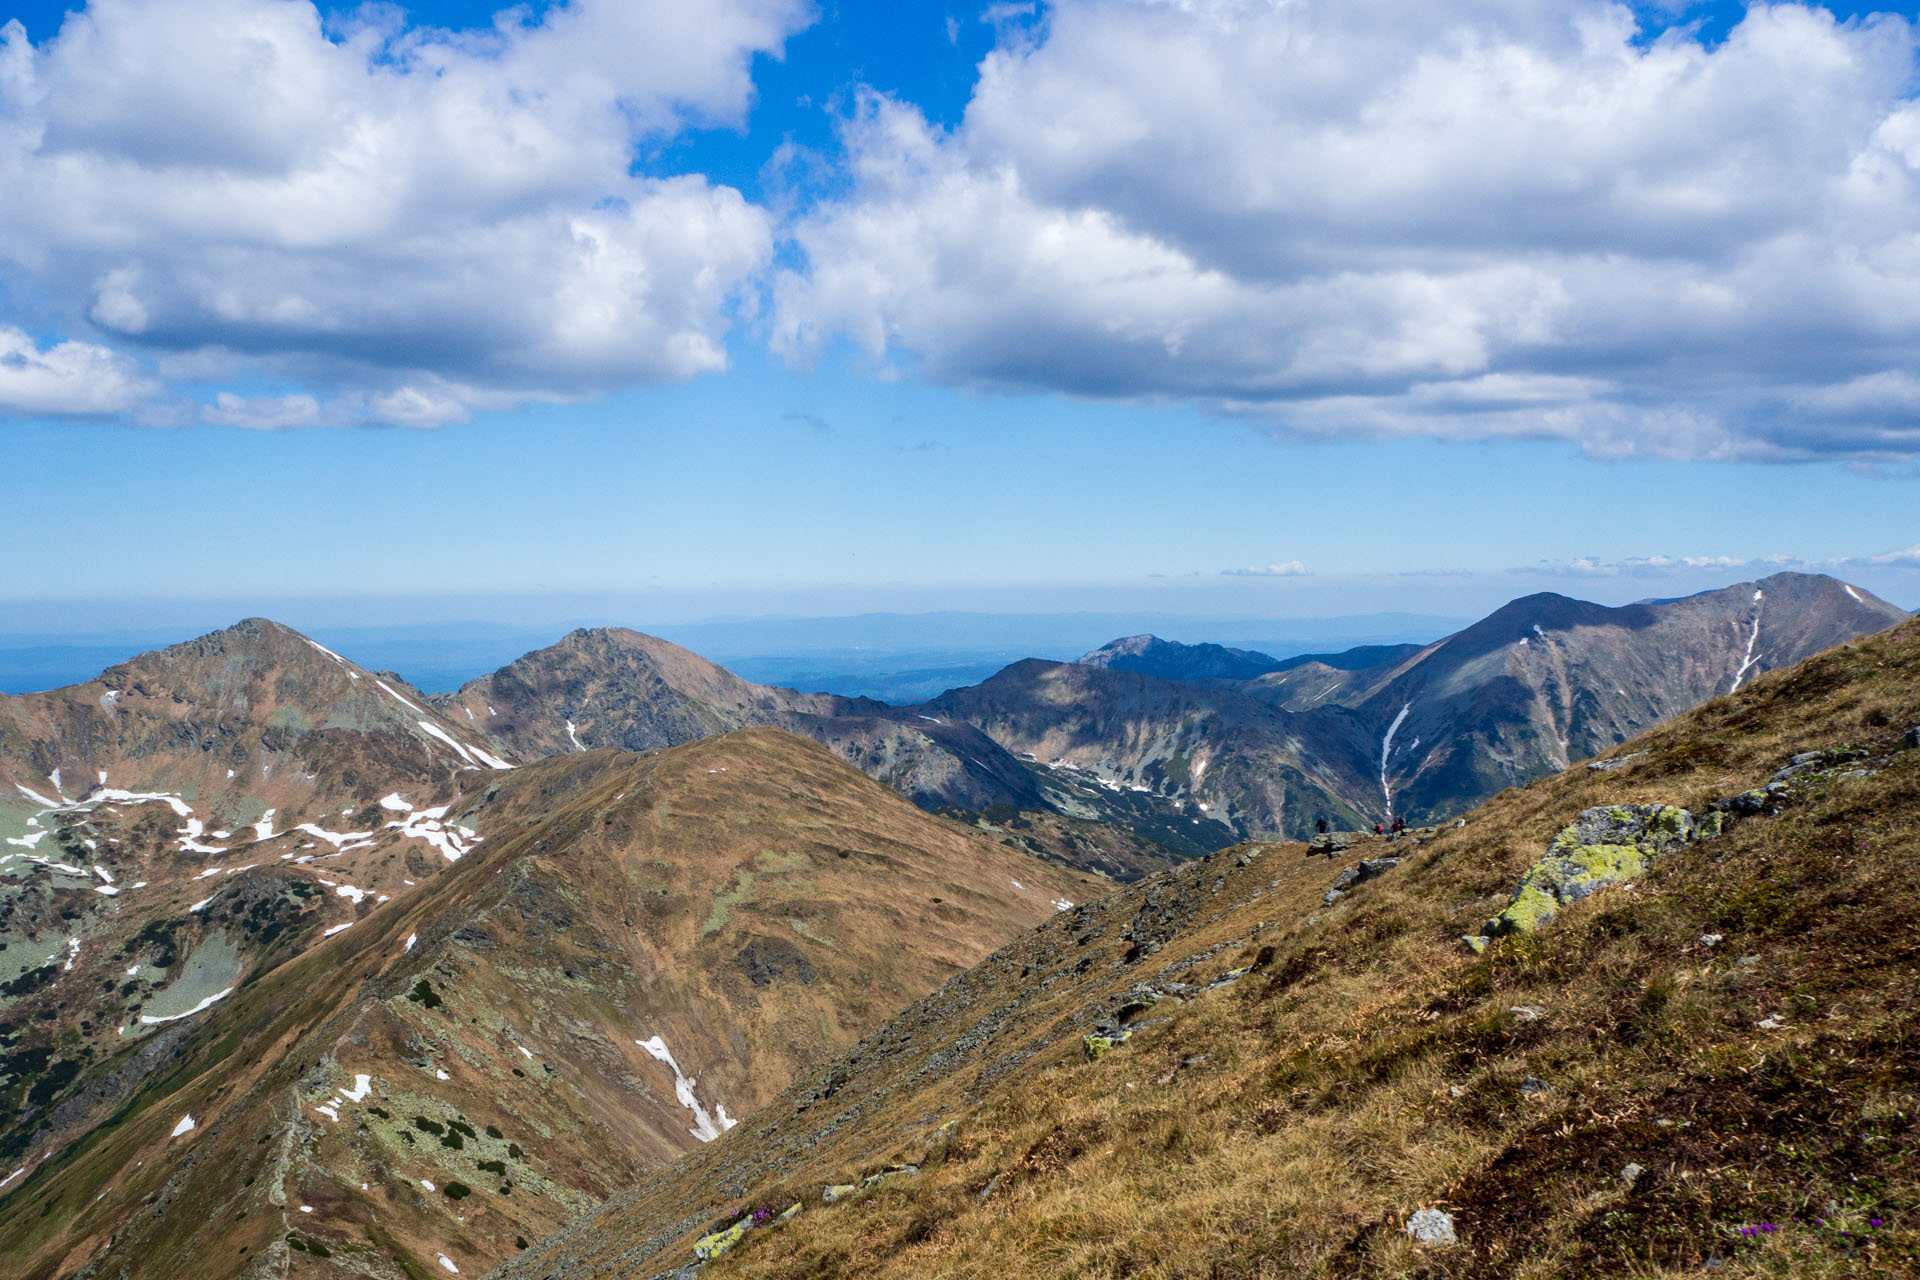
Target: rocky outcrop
{"type": "Point", "coordinates": [1605, 846]}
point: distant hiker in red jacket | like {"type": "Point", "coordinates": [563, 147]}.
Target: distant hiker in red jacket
{"type": "Point", "coordinates": [1399, 826]}
{"type": "Point", "coordinates": [1379, 830]}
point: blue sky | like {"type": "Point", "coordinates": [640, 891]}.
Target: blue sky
{"type": "Point", "coordinates": [820, 310]}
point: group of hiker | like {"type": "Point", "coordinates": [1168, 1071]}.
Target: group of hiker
{"type": "Point", "coordinates": [1398, 828]}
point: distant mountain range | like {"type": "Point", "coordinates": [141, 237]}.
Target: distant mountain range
{"type": "Point", "coordinates": [286, 943]}
{"type": "Point", "coordinates": [1193, 746]}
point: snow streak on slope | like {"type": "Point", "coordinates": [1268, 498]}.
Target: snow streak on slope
{"type": "Point", "coordinates": [703, 1126]}
{"type": "Point", "coordinates": [1386, 749]}
{"type": "Point", "coordinates": [1746, 663]}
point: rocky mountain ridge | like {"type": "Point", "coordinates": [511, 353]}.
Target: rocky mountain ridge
{"type": "Point", "coordinates": [1190, 746]}
{"type": "Point", "coordinates": [1700, 1060]}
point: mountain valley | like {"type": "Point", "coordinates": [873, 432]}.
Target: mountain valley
{"type": "Point", "coordinates": [391, 984]}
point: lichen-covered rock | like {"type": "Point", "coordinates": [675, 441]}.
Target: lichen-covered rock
{"type": "Point", "coordinates": [1815, 761]}
{"type": "Point", "coordinates": [1476, 942]}
{"type": "Point", "coordinates": [838, 1191]}
{"type": "Point", "coordinates": [1604, 846]}
{"type": "Point", "coordinates": [709, 1247]}
{"type": "Point", "coordinates": [1432, 1226]}
{"type": "Point", "coordinates": [891, 1172]}
{"type": "Point", "coordinates": [1097, 1047]}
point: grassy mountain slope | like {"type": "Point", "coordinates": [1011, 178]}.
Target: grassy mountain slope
{"type": "Point", "coordinates": [643, 949]}
{"type": "Point", "coordinates": [1712, 1069]}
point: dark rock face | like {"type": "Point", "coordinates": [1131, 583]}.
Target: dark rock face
{"type": "Point", "coordinates": [766, 961]}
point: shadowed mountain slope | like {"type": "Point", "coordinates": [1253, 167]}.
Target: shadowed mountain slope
{"type": "Point", "coordinates": [1171, 660]}
{"type": "Point", "coordinates": [1263, 1064]}
{"type": "Point", "coordinates": [643, 950]}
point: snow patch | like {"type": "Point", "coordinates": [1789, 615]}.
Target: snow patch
{"type": "Point", "coordinates": [445, 1261]}
{"type": "Point", "coordinates": [1855, 594]}
{"type": "Point", "coordinates": [1746, 662]}
{"type": "Point", "coordinates": [334, 838]}
{"type": "Point", "coordinates": [703, 1126]}
{"type": "Point", "coordinates": [397, 698]}
{"type": "Point", "coordinates": [339, 928]}
{"type": "Point", "coordinates": [185, 1126]}
{"type": "Point", "coordinates": [362, 1086]}
{"type": "Point", "coordinates": [573, 737]}
{"type": "Point", "coordinates": [411, 939]}
{"type": "Point", "coordinates": [447, 738]}
{"type": "Point", "coordinates": [1386, 749]}
{"type": "Point", "coordinates": [206, 1004]}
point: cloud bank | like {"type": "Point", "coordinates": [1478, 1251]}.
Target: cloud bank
{"type": "Point", "coordinates": [1291, 569]}
{"type": "Point", "coordinates": [1485, 219]}
{"type": "Point", "coordinates": [404, 224]}
{"type": "Point", "coordinates": [1476, 220]}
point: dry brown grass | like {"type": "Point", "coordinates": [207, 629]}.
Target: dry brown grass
{"type": "Point", "coordinates": [1372, 1066]}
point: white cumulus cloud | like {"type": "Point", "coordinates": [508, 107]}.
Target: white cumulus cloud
{"type": "Point", "coordinates": [66, 379]}
{"type": "Point", "coordinates": [409, 223]}
{"type": "Point", "coordinates": [1291, 569]}
{"type": "Point", "coordinates": [1486, 219]}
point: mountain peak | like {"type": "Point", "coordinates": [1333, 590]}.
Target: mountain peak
{"type": "Point", "coordinates": [1172, 660]}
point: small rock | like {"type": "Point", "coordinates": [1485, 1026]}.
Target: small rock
{"type": "Point", "coordinates": [1527, 1012]}
{"type": "Point", "coordinates": [1618, 762]}
{"type": "Point", "coordinates": [993, 1184]}
{"type": "Point", "coordinates": [1476, 942]}
{"type": "Point", "coordinates": [1333, 896]}
{"type": "Point", "coordinates": [1533, 1085]}
{"type": "Point", "coordinates": [1630, 1175]}
{"type": "Point", "coordinates": [1747, 962]}
{"type": "Point", "coordinates": [838, 1191]}
{"type": "Point", "coordinates": [1456, 1091]}
{"type": "Point", "coordinates": [1432, 1226]}
{"type": "Point", "coordinates": [1770, 1023]}
{"type": "Point", "coordinates": [1912, 741]}
{"type": "Point", "coordinates": [1711, 939]}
